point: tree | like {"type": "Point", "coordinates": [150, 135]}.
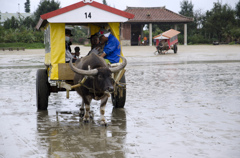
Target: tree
{"type": "Point", "coordinates": [12, 23]}
{"type": "Point", "coordinates": [45, 6]}
{"type": "Point", "coordinates": [219, 21]}
{"type": "Point", "coordinates": [199, 17]}
{"type": "Point", "coordinates": [238, 13]}
{"type": "Point", "coordinates": [28, 22]}
{"type": "Point", "coordinates": [105, 2]}
{"type": "Point", "coordinates": [80, 34]}
{"type": "Point", "coordinates": [27, 6]}
{"type": "Point", "coordinates": [187, 10]}
{"type": "Point", "coordinates": [238, 10]}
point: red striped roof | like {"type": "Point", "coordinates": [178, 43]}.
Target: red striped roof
{"type": "Point", "coordinates": [81, 4]}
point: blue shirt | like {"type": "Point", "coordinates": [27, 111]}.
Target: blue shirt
{"type": "Point", "coordinates": [112, 49]}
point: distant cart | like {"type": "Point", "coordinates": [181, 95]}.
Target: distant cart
{"type": "Point", "coordinates": [166, 40]}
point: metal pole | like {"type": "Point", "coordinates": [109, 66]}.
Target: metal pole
{"type": "Point", "coordinates": [150, 34]}
{"type": "Point", "coordinates": [185, 34]}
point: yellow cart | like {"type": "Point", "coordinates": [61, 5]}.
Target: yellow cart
{"type": "Point", "coordinates": [57, 75]}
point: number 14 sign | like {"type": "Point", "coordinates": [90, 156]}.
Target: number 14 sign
{"type": "Point", "coordinates": [88, 15]}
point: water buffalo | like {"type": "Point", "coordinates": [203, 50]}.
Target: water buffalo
{"type": "Point", "coordinates": [99, 82]}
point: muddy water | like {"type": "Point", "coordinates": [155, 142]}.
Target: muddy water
{"type": "Point", "coordinates": [176, 107]}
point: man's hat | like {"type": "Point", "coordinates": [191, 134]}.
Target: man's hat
{"type": "Point", "coordinates": [68, 32]}
{"type": "Point", "coordinates": [104, 32]}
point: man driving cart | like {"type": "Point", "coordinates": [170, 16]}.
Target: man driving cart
{"type": "Point", "coordinates": [112, 49]}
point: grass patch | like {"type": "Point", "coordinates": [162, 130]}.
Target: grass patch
{"type": "Point", "coordinates": [25, 45]}
{"type": "Point", "coordinates": [87, 45]}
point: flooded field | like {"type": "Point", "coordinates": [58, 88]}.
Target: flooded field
{"type": "Point", "coordinates": [178, 105]}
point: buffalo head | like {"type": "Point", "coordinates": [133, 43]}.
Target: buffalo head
{"type": "Point", "coordinates": [101, 73]}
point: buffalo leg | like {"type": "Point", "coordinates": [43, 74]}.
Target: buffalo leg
{"type": "Point", "coordinates": [102, 110]}
{"type": "Point", "coordinates": [87, 101]}
{"type": "Point", "coordinates": [82, 110]}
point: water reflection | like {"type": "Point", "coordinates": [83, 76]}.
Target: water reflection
{"type": "Point", "coordinates": [63, 135]}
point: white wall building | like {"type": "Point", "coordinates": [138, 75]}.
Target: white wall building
{"type": "Point", "coordinates": [5, 16]}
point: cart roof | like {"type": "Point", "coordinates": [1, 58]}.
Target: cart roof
{"type": "Point", "coordinates": [160, 37]}
{"type": "Point", "coordinates": [87, 11]}
{"type": "Point", "coordinates": [167, 34]}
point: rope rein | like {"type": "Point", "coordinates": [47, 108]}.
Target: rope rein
{"type": "Point", "coordinates": [93, 90]}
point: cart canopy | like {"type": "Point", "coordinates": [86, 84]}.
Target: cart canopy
{"type": "Point", "coordinates": [167, 34]}
{"type": "Point", "coordinates": [88, 13]}
{"type": "Point", "coordinates": [84, 12]}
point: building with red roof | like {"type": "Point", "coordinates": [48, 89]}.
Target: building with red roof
{"type": "Point", "coordinates": [150, 15]}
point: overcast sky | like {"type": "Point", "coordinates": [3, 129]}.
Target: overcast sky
{"type": "Point", "coordinates": [13, 6]}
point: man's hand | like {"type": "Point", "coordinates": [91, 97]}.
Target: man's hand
{"type": "Point", "coordinates": [95, 50]}
{"type": "Point", "coordinates": [103, 55]}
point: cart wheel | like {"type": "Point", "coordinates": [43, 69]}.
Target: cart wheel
{"type": "Point", "coordinates": [175, 48]}
{"type": "Point", "coordinates": [42, 89]}
{"type": "Point", "coordinates": [119, 102]}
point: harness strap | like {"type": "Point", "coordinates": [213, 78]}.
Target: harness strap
{"type": "Point", "coordinates": [92, 90]}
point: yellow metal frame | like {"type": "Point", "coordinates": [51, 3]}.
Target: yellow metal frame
{"type": "Point", "coordinates": [57, 44]}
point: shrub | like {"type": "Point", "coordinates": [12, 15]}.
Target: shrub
{"type": "Point", "coordinates": [232, 43]}
{"type": "Point", "coordinates": [196, 38]}
{"type": "Point", "coordinates": [23, 35]}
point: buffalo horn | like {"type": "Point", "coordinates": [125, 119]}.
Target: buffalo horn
{"type": "Point", "coordinates": [81, 71]}
{"type": "Point", "coordinates": [120, 67]}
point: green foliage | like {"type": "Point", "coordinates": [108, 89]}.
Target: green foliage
{"type": "Point", "coordinates": [80, 34]}
{"type": "Point", "coordinates": [105, 2]}
{"type": "Point", "coordinates": [198, 39]}
{"type": "Point", "coordinates": [235, 33]}
{"type": "Point", "coordinates": [180, 39]}
{"type": "Point", "coordinates": [156, 30]}
{"type": "Point", "coordinates": [194, 39]}
{"type": "Point", "coordinates": [22, 29]}
{"type": "Point", "coordinates": [12, 23]}
{"type": "Point", "coordinates": [145, 33]}
{"type": "Point", "coordinates": [25, 45]}
{"type": "Point", "coordinates": [186, 8]}
{"type": "Point", "coordinates": [238, 10]}
{"type": "Point", "coordinates": [27, 6]}
{"type": "Point", "coordinates": [219, 21]}
{"type": "Point", "coordinates": [232, 43]}
{"type": "Point", "coordinates": [28, 22]}
{"type": "Point", "coordinates": [21, 34]}
{"type": "Point", "coordinates": [45, 6]}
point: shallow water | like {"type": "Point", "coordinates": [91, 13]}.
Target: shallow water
{"type": "Point", "coordinates": [173, 109]}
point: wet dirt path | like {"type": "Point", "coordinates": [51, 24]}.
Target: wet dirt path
{"type": "Point", "coordinates": [178, 105]}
